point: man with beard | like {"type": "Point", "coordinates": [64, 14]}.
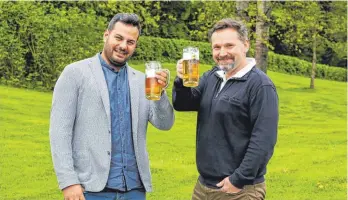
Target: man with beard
{"type": "Point", "coordinates": [237, 118]}
{"type": "Point", "coordinates": [99, 120]}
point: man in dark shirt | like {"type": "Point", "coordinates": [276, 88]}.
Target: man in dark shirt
{"type": "Point", "coordinates": [237, 118]}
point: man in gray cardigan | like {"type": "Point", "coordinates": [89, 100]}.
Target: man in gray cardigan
{"type": "Point", "coordinates": [99, 120]}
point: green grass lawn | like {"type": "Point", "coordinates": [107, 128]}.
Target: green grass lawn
{"type": "Point", "coordinates": [309, 160]}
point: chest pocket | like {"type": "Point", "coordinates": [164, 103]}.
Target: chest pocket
{"type": "Point", "coordinates": [233, 112]}
{"type": "Point", "coordinates": [227, 106]}
{"type": "Point", "coordinates": [232, 101]}
{"type": "Point", "coordinates": [232, 107]}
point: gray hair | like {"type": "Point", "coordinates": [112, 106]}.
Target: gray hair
{"type": "Point", "coordinates": [126, 18]}
{"type": "Point", "coordinates": [230, 23]}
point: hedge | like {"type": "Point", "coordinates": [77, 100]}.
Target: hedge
{"type": "Point", "coordinates": [43, 76]}
{"type": "Point", "coordinates": [293, 65]}
{"type": "Point", "coordinates": [170, 50]}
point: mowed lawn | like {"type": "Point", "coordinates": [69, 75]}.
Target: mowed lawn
{"type": "Point", "coordinates": [309, 160]}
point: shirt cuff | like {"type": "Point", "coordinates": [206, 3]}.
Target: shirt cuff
{"type": "Point", "coordinates": [236, 182]}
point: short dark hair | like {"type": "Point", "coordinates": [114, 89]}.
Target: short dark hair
{"type": "Point", "coordinates": [126, 18]}
{"type": "Point", "coordinates": [230, 23]}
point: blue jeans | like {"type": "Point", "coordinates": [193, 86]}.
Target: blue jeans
{"type": "Point", "coordinates": [130, 195]}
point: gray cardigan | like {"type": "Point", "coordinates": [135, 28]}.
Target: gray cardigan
{"type": "Point", "coordinates": [80, 127]}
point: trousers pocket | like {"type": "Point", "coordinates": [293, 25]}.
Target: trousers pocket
{"type": "Point", "coordinates": [235, 194]}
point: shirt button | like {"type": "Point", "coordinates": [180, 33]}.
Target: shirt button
{"type": "Point", "coordinates": [109, 153]}
{"type": "Point", "coordinates": [124, 166]}
{"type": "Point", "coordinates": [109, 132]}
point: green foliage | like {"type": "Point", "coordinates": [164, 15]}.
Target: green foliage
{"type": "Point", "coordinates": [12, 56]}
{"type": "Point", "coordinates": [204, 14]}
{"type": "Point", "coordinates": [152, 48]}
{"type": "Point", "coordinates": [292, 65]}
{"type": "Point", "coordinates": [298, 23]}
{"type": "Point", "coordinates": [38, 39]}
{"type": "Point", "coordinates": [170, 50]}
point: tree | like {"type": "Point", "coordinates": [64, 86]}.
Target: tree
{"type": "Point", "coordinates": [247, 13]}
{"type": "Point", "coordinates": [304, 22]}
{"type": "Point", "coordinates": [335, 32]}
{"type": "Point", "coordinates": [204, 14]}
{"type": "Point", "coordinates": [262, 33]}
{"type": "Point", "coordinates": [242, 10]}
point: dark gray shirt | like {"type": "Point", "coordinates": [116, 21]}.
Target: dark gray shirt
{"type": "Point", "coordinates": [236, 126]}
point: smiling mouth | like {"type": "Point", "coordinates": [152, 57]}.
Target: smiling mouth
{"type": "Point", "coordinates": [124, 53]}
{"type": "Point", "coordinates": [120, 54]}
{"type": "Point", "coordinates": [226, 61]}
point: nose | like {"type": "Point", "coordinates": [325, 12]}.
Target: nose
{"type": "Point", "coordinates": [222, 52]}
{"type": "Point", "coordinates": [123, 44]}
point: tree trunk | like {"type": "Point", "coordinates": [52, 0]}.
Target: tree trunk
{"type": "Point", "coordinates": [314, 62]}
{"type": "Point", "coordinates": [262, 33]}
{"type": "Point", "coordinates": [242, 12]}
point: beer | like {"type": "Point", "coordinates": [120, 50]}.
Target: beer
{"type": "Point", "coordinates": [152, 88]}
{"type": "Point", "coordinates": [191, 73]}
{"type": "Point", "coordinates": [190, 67]}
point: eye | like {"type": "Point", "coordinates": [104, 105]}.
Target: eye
{"type": "Point", "coordinates": [131, 42]}
{"type": "Point", "coordinates": [229, 46]}
{"type": "Point", "coordinates": [216, 48]}
{"type": "Point", "coordinates": [118, 38]}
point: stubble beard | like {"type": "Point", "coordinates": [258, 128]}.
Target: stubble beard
{"type": "Point", "coordinates": [117, 63]}
{"type": "Point", "coordinates": [227, 67]}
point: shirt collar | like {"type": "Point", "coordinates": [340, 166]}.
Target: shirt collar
{"type": "Point", "coordinates": [221, 74]}
{"type": "Point", "coordinates": [250, 64]}
{"type": "Point", "coordinates": [106, 65]}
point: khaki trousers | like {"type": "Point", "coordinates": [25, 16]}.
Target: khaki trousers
{"type": "Point", "coordinates": [249, 192]}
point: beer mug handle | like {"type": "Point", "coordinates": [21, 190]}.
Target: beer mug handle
{"type": "Point", "coordinates": [168, 78]}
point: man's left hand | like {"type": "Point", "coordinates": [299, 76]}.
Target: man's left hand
{"type": "Point", "coordinates": [226, 186]}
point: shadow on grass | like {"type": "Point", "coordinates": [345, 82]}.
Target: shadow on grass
{"type": "Point", "coordinates": [300, 89]}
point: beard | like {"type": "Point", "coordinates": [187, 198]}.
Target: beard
{"type": "Point", "coordinates": [224, 65]}
{"type": "Point", "coordinates": [117, 62]}
{"type": "Point", "coordinates": [227, 67]}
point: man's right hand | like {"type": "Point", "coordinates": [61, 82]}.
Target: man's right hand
{"type": "Point", "coordinates": [73, 192]}
{"type": "Point", "coordinates": [179, 69]}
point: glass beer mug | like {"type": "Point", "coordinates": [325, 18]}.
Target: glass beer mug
{"type": "Point", "coordinates": [191, 66]}
{"type": "Point", "coordinates": [153, 89]}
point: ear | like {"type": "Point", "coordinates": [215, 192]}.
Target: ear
{"type": "Point", "coordinates": [246, 45]}
{"type": "Point", "coordinates": [106, 35]}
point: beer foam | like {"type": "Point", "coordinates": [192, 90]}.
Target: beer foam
{"type": "Point", "coordinates": [191, 55]}
{"type": "Point", "coordinates": [187, 56]}
{"type": "Point", "coordinates": [150, 72]}
{"type": "Point", "coordinates": [196, 55]}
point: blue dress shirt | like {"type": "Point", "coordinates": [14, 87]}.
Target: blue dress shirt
{"type": "Point", "coordinates": [124, 173]}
